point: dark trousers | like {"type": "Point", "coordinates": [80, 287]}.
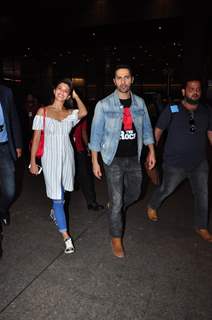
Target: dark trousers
{"type": "Point", "coordinates": [124, 179]}
{"type": "Point", "coordinates": [198, 179]}
{"type": "Point", "coordinates": [84, 176]}
{"type": "Point", "coordinates": [7, 180]}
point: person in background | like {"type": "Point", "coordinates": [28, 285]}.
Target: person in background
{"type": "Point", "coordinates": [31, 107]}
{"type": "Point", "coordinates": [188, 125]}
{"type": "Point", "coordinates": [120, 127]}
{"type": "Point", "coordinates": [158, 103]}
{"type": "Point", "coordinates": [84, 174]}
{"type": "Point", "coordinates": [29, 110]}
{"type": "Point", "coordinates": [10, 151]}
{"type": "Point", "coordinates": [58, 157]}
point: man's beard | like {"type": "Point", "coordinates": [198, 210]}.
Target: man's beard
{"type": "Point", "coordinates": [124, 88]}
{"type": "Point", "coordinates": [191, 101]}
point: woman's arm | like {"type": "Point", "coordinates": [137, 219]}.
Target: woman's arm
{"type": "Point", "coordinates": [35, 143]}
{"type": "Point", "coordinates": [82, 109]}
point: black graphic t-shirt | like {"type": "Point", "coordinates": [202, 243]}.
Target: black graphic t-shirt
{"type": "Point", "coordinates": [128, 138]}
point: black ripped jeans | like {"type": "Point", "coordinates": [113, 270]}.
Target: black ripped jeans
{"type": "Point", "coordinates": [124, 179]}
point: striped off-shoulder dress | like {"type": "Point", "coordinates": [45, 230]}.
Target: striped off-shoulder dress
{"type": "Point", "coordinates": [58, 158]}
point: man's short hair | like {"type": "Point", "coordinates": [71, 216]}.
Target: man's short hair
{"type": "Point", "coordinates": [122, 66]}
{"type": "Point", "coordinates": [189, 79]}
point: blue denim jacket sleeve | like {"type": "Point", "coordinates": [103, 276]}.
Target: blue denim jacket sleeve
{"type": "Point", "coordinates": [106, 127]}
{"type": "Point", "coordinates": [97, 128]}
{"type": "Point", "coordinates": [142, 122]}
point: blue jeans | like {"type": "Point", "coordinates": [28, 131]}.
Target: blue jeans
{"type": "Point", "coordinates": [7, 180]}
{"type": "Point", "coordinates": [59, 213]}
{"type": "Point", "coordinates": [198, 179]}
{"type": "Point", "coordinates": [124, 179]}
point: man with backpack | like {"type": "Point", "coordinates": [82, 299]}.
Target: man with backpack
{"type": "Point", "coordinates": [188, 126]}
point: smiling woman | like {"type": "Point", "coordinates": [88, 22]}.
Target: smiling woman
{"type": "Point", "coordinates": [58, 157]}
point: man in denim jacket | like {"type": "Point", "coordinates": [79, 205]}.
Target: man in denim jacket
{"type": "Point", "coordinates": [120, 127]}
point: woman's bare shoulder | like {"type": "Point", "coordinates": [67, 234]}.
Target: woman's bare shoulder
{"type": "Point", "coordinates": [41, 110]}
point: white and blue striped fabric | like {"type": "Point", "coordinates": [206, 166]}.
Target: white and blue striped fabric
{"type": "Point", "coordinates": [58, 158]}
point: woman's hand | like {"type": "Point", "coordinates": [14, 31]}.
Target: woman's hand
{"type": "Point", "coordinates": [82, 109]}
{"type": "Point", "coordinates": [34, 169]}
{"type": "Point", "coordinates": [74, 95]}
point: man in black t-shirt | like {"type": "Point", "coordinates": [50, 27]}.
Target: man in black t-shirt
{"type": "Point", "coordinates": [128, 145]}
{"type": "Point", "coordinates": [120, 128]}
{"type": "Point", "coordinates": [188, 125]}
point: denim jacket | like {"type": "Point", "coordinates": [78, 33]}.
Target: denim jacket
{"type": "Point", "coordinates": [107, 123]}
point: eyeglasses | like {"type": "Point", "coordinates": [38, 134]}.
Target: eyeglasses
{"type": "Point", "coordinates": [193, 127]}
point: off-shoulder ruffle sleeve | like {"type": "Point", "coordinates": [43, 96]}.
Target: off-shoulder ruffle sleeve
{"type": "Point", "coordinates": [37, 123]}
{"type": "Point", "coordinates": [75, 117]}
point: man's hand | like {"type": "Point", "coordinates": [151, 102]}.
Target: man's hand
{"type": "Point", "coordinates": [151, 161]}
{"type": "Point", "coordinates": [210, 137]}
{"type": "Point", "coordinates": [96, 167]}
{"type": "Point", "coordinates": [18, 152]}
{"type": "Point", "coordinates": [97, 170]}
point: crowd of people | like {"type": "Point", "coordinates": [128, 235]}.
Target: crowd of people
{"type": "Point", "coordinates": [121, 128]}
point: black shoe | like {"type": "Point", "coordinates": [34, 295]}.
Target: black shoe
{"type": "Point", "coordinates": [95, 206]}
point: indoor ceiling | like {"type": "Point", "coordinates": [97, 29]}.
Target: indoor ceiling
{"type": "Point", "coordinates": [149, 34]}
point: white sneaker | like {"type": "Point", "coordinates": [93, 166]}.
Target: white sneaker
{"type": "Point", "coordinates": [69, 246]}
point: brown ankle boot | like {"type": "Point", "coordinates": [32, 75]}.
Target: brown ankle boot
{"type": "Point", "coordinates": [117, 247]}
{"type": "Point", "coordinates": [152, 214]}
{"type": "Point", "coordinates": [204, 234]}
